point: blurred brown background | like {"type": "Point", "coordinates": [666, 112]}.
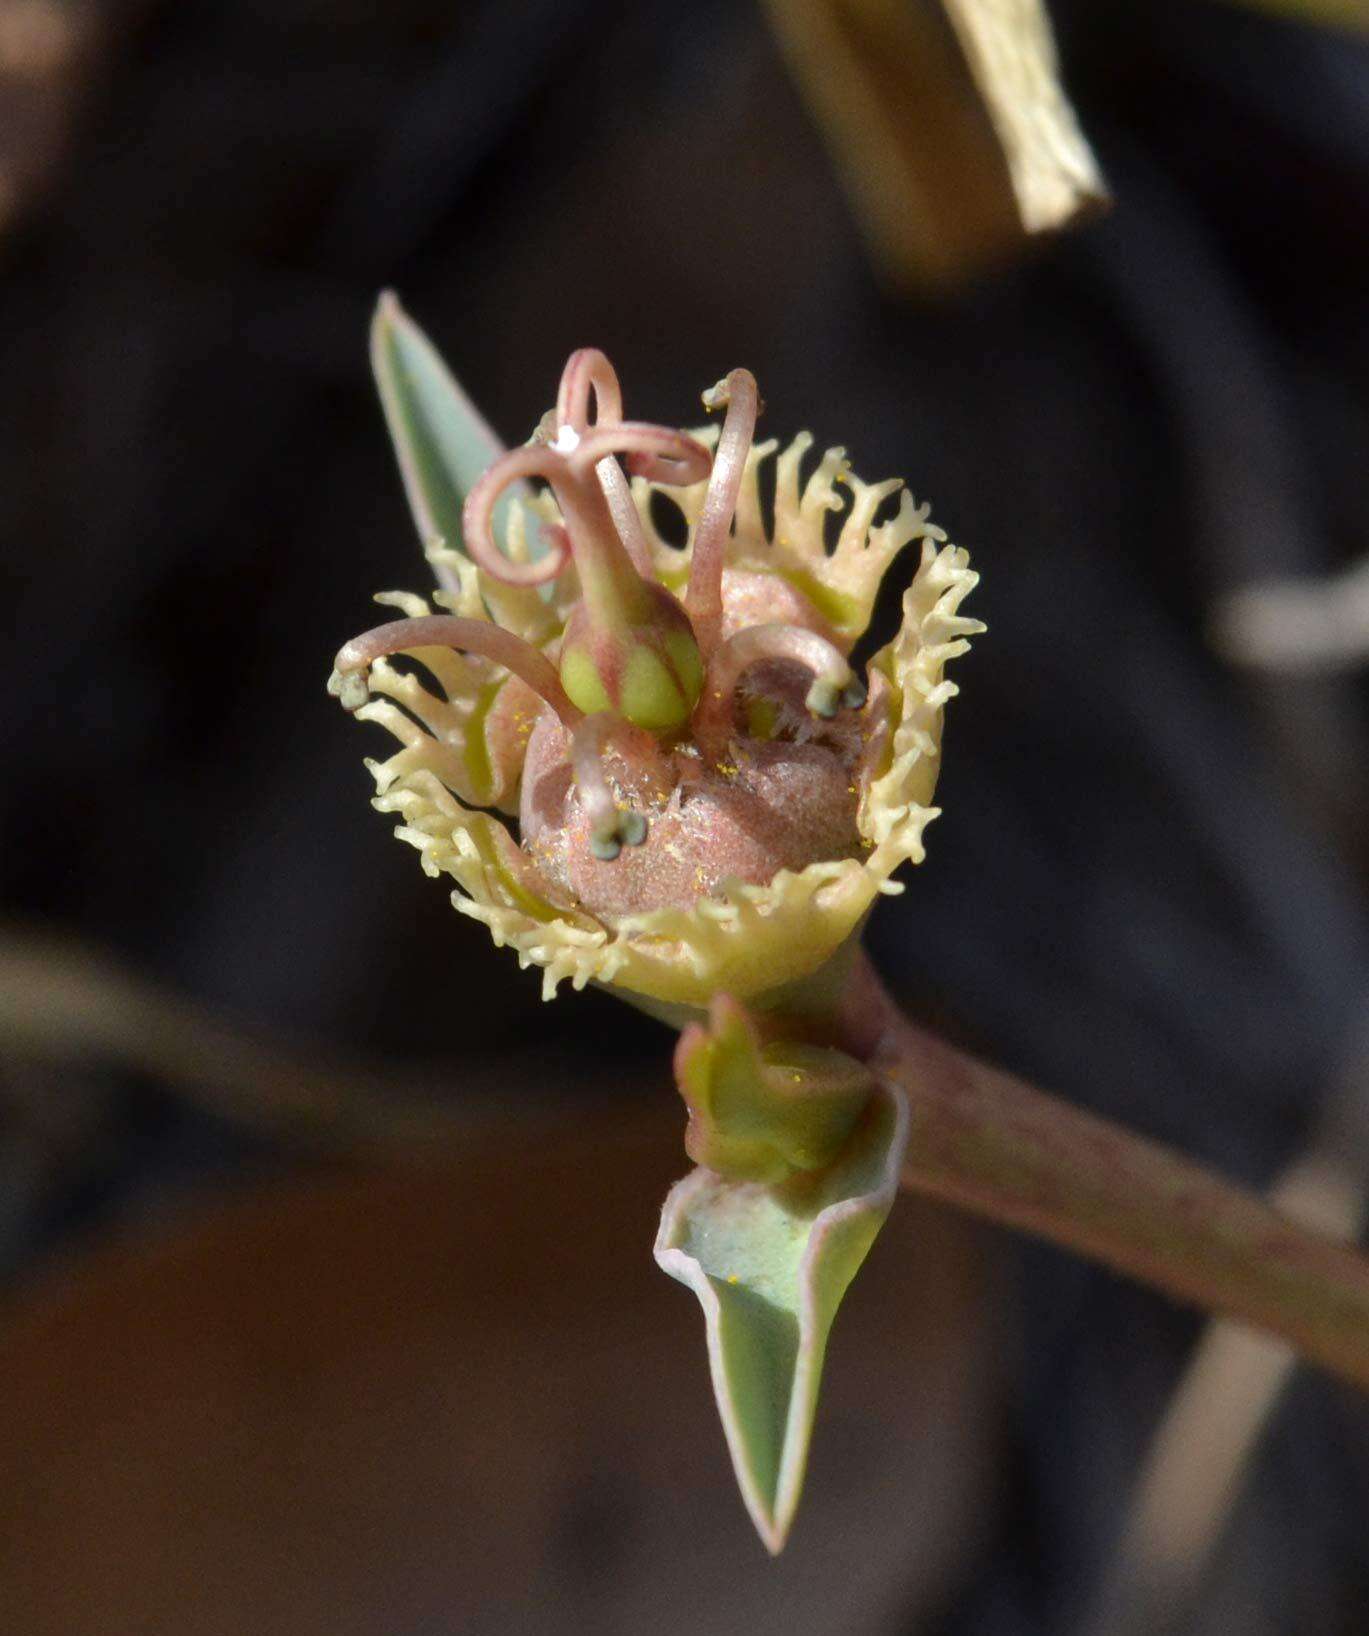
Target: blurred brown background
{"type": "Point", "coordinates": [330, 1304]}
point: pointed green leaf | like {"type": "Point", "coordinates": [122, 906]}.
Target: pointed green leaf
{"type": "Point", "coordinates": [770, 1265]}
{"type": "Point", "coordinates": [442, 441]}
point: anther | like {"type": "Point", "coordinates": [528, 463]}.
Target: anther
{"type": "Point", "coordinates": [632, 827]}
{"type": "Point", "coordinates": [611, 827]}
{"type": "Point", "coordinates": [823, 698]}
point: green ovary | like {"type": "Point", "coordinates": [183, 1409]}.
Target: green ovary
{"type": "Point", "coordinates": [651, 696]}
{"type": "Point", "coordinates": [581, 679]}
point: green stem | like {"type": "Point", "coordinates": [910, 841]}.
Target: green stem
{"type": "Point", "coordinates": [991, 1143]}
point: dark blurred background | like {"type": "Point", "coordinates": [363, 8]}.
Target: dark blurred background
{"type": "Point", "coordinates": [327, 1243]}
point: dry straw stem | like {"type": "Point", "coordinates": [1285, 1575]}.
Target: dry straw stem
{"type": "Point", "coordinates": [64, 1003]}
{"type": "Point", "coordinates": [1208, 1441]}
{"type": "Point", "coordinates": [989, 1142]}
{"type": "Point", "coordinates": [1011, 53]}
{"type": "Point", "coordinates": [1301, 627]}
{"type": "Point", "coordinates": [1348, 14]}
{"type": "Point", "coordinates": [1196, 1468]}
{"type": "Point", "coordinates": [950, 128]}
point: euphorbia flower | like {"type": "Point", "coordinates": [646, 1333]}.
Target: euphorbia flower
{"type": "Point", "coordinates": [656, 766]}
{"type": "Point", "coordinates": [707, 796]}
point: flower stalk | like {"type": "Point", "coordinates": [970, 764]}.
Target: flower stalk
{"type": "Point", "coordinates": [990, 1142]}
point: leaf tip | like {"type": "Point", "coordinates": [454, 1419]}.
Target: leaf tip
{"type": "Point", "coordinates": [386, 321]}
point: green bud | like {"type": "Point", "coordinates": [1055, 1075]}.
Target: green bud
{"type": "Point", "coordinates": [764, 1112]}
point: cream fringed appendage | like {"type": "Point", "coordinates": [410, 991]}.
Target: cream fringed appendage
{"type": "Point", "coordinates": [652, 766]}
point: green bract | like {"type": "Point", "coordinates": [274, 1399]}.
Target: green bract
{"type": "Point", "coordinates": [441, 440]}
{"type": "Point", "coordinates": [770, 1265]}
